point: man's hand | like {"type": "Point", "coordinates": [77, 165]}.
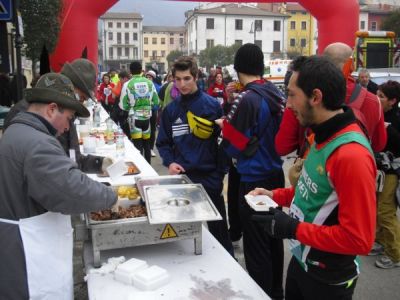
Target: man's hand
{"type": "Point", "coordinates": [277, 224]}
{"type": "Point", "coordinates": [295, 171]}
{"type": "Point", "coordinates": [261, 191]}
{"type": "Point", "coordinates": [175, 169]}
{"type": "Point", "coordinates": [107, 161]}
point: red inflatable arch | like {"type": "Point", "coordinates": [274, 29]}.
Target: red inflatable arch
{"type": "Point", "coordinates": [337, 22]}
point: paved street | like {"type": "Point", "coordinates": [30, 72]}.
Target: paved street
{"type": "Point", "coordinates": [373, 283]}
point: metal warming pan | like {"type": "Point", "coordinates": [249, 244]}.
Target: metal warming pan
{"type": "Point", "coordinates": [175, 211]}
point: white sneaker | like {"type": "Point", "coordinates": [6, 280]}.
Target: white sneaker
{"type": "Point", "coordinates": [386, 262]}
{"type": "Point", "coordinates": [377, 249]}
{"type": "Point", "coordinates": [153, 154]}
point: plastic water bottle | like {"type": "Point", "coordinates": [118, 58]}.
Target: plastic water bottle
{"type": "Point", "coordinates": [96, 116]}
{"type": "Point", "coordinates": [120, 143]}
{"type": "Point", "coordinates": [131, 118]}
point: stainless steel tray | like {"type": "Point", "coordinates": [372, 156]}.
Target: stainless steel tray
{"type": "Point", "coordinates": [179, 204]}
{"type": "Point", "coordinates": [160, 180]}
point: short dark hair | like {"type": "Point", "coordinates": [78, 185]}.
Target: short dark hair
{"type": "Point", "coordinates": [184, 63]}
{"type": "Point", "coordinates": [391, 89]}
{"type": "Point", "coordinates": [135, 67]}
{"type": "Point", "coordinates": [123, 74]}
{"type": "Point", "coordinates": [318, 72]}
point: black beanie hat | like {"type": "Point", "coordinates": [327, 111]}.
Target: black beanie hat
{"type": "Point", "coordinates": [249, 59]}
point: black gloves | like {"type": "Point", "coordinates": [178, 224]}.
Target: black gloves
{"type": "Point", "coordinates": [278, 224]}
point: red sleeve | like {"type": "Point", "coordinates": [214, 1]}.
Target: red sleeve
{"type": "Point", "coordinates": [210, 90]}
{"type": "Point", "coordinates": [379, 136]}
{"type": "Point", "coordinates": [290, 135]}
{"type": "Point", "coordinates": [352, 171]}
{"type": "Point", "coordinates": [283, 196]}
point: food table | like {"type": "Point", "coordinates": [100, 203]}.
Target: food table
{"type": "Point", "coordinates": [212, 275]}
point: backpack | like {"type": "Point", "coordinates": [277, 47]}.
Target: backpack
{"type": "Point", "coordinates": [356, 101]}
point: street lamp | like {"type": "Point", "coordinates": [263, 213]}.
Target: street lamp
{"type": "Point", "coordinates": [253, 30]}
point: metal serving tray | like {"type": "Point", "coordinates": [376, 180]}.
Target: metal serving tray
{"type": "Point", "coordinates": [160, 180]}
{"type": "Point", "coordinates": [179, 204]}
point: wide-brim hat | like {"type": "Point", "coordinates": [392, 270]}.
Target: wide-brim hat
{"type": "Point", "coordinates": [82, 73]}
{"type": "Point", "coordinates": [57, 88]}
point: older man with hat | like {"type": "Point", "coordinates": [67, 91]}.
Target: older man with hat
{"type": "Point", "coordinates": [39, 187]}
{"type": "Point", "coordinates": [82, 74]}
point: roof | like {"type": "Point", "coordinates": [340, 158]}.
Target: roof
{"type": "Point", "coordinates": [384, 9]}
{"type": "Point", "coordinates": [121, 15]}
{"type": "Point", "coordinates": [178, 29]}
{"type": "Point", "coordinates": [294, 7]}
{"type": "Point", "coordinates": [235, 9]}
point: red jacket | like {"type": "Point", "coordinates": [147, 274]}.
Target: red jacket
{"type": "Point", "coordinates": [102, 97]}
{"type": "Point", "coordinates": [217, 94]}
{"type": "Point", "coordinates": [290, 136]}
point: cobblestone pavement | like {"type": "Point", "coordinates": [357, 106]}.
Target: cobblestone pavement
{"type": "Point", "coordinates": [373, 283]}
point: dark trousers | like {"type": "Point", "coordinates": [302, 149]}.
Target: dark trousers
{"type": "Point", "coordinates": [301, 286]}
{"type": "Point", "coordinates": [153, 123]}
{"type": "Point", "coordinates": [235, 225]}
{"type": "Point", "coordinates": [144, 148]}
{"type": "Point", "coordinates": [263, 254]}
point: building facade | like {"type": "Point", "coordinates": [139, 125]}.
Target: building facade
{"type": "Point", "coordinates": [121, 40]}
{"type": "Point", "coordinates": [158, 42]}
{"type": "Point", "coordinates": [236, 23]}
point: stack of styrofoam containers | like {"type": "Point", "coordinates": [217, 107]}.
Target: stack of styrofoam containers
{"type": "Point", "coordinates": [125, 271]}
{"type": "Point", "coordinates": [151, 278]}
{"type": "Point", "coordinates": [136, 272]}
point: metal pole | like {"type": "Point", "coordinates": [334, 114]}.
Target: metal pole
{"type": "Point", "coordinates": [18, 46]}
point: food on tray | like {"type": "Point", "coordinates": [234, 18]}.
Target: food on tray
{"type": "Point", "coordinates": [129, 192]}
{"type": "Point", "coordinates": [133, 211]}
{"type": "Point", "coordinates": [132, 170]}
{"type": "Point", "coordinates": [260, 203]}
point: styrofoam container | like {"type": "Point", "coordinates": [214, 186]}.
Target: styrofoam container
{"type": "Point", "coordinates": [124, 272]}
{"type": "Point", "coordinates": [260, 202]}
{"type": "Point", "coordinates": [117, 169]}
{"type": "Point", "coordinates": [151, 278]}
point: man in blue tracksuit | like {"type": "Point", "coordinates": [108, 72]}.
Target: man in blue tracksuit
{"type": "Point", "coordinates": [187, 140]}
{"type": "Point", "coordinates": [249, 132]}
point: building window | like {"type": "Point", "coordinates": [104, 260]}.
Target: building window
{"type": "Point", "coordinates": [135, 36]}
{"type": "Point", "coordinates": [303, 25]}
{"type": "Point", "coordinates": [239, 42]}
{"type": "Point", "coordinates": [119, 51]}
{"type": "Point", "coordinates": [210, 43]}
{"type": "Point", "coordinates": [210, 23]}
{"type": "Point", "coordinates": [162, 53]}
{"type": "Point", "coordinates": [154, 41]}
{"type": "Point", "coordinates": [374, 26]}
{"type": "Point", "coordinates": [277, 25]}
{"type": "Point", "coordinates": [110, 36]}
{"type": "Point", "coordinates": [239, 24]}
{"type": "Point", "coordinates": [110, 24]}
{"type": "Point", "coordinates": [126, 25]}
{"type": "Point", "coordinates": [292, 42]}
{"type": "Point", "coordinates": [154, 54]}
{"type": "Point", "coordinates": [303, 12]}
{"type": "Point", "coordinates": [146, 53]}
{"type": "Point", "coordinates": [181, 34]}
{"type": "Point", "coordinates": [181, 41]}
{"type": "Point", "coordinates": [258, 25]}
{"type": "Point", "coordinates": [126, 37]}
{"type": "Point", "coordinates": [135, 53]}
{"type": "Point", "coordinates": [134, 25]}
{"type": "Point", "coordinates": [146, 41]}
{"type": "Point", "coordinates": [362, 25]}
{"type": "Point", "coordinates": [276, 47]}
{"type": "Point", "coordinates": [171, 41]}
{"type": "Point", "coordinates": [293, 25]}
{"type": "Point", "coordinates": [162, 41]}
{"type": "Point", "coordinates": [303, 43]}
{"type": "Point", "coordinates": [118, 37]}
{"type": "Point", "coordinates": [118, 24]}
{"type": "Point", "coordinates": [258, 43]}
{"type": "Point", "coordinates": [293, 12]}
{"type": "Point", "coordinates": [110, 52]}
{"type": "Point", "coordinates": [126, 51]}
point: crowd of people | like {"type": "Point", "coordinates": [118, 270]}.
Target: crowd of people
{"type": "Point", "coordinates": [344, 189]}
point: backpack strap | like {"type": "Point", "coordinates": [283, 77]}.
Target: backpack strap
{"type": "Point", "coordinates": [357, 96]}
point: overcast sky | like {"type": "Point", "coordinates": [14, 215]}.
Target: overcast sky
{"type": "Point", "coordinates": [156, 12]}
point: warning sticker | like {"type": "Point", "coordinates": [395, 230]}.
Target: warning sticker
{"type": "Point", "coordinates": [168, 232]}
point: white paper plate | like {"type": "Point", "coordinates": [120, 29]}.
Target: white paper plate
{"type": "Point", "coordinates": [260, 202]}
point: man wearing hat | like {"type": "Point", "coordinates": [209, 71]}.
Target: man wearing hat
{"type": "Point", "coordinates": [82, 73]}
{"type": "Point", "coordinates": [39, 187]}
{"type": "Point", "coordinates": [249, 138]}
